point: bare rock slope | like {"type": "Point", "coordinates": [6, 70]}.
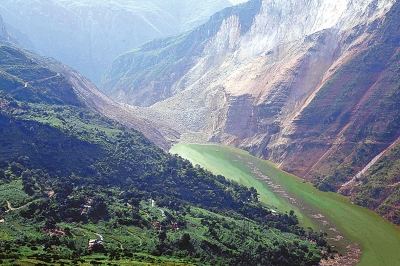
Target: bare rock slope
{"type": "Point", "coordinates": [311, 85]}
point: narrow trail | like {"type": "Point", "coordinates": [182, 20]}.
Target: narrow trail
{"type": "Point", "coordinates": [395, 184]}
{"type": "Point", "coordinates": [10, 208]}
{"type": "Point", "coordinates": [26, 84]}
{"type": "Point", "coordinates": [353, 180]}
{"type": "Point", "coordinates": [132, 234]}
{"type": "Point", "coordinates": [100, 236]}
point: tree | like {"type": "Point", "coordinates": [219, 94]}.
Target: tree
{"type": "Point", "coordinates": [184, 242]}
{"type": "Point", "coordinates": [16, 168]}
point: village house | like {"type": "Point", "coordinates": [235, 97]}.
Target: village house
{"type": "Point", "coordinates": [92, 243]}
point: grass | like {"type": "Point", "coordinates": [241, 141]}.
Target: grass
{"type": "Point", "coordinates": [379, 239]}
{"type": "Point", "coordinates": [13, 192]}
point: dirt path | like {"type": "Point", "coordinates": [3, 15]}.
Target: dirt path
{"type": "Point", "coordinates": [27, 83]}
{"type": "Point", "coordinates": [132, 234]}
{"type": "Point", "coordinates": [353, 182]}
{"type": "Point", "coordinates": [100, 236]}
{"type": "Point", "coordinates": [10, 208]}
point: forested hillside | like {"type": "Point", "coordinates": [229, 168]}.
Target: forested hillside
{"type": "Point", "coordinates": [68, 174]}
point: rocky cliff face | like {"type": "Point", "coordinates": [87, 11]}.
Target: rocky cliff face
{"type": "Point", "coordinates": [88, 35]}
{"type": "Point", "coordinates": [161, 68]}
{"type": "Point", "coordinates": [310, 85]}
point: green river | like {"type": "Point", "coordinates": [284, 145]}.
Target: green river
{"type": "Point", "coordinates": [350, 228]}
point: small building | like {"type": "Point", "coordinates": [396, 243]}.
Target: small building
{"type": "Point", "coordinates": [157, 225]}
{"type": "Point", "coordinates": [93, 243]}
{"type": "Point", "coordinates": [174, 226]}
{"type": "Point", "coordinates": [96, 243]}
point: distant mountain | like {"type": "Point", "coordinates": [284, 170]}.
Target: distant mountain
{"type": "Point", "coordinates": [235, 2]}
{"type": "Point", "coordinates": [77, 187]}
{"type": "Point", "coordinates": [310, 85]}
{"type": "Point", "coordinates": [88, 35]}
{"type": "Point", "coordinates": [5, 36]}
{"type": "Point", "coordinates": [149, 73]}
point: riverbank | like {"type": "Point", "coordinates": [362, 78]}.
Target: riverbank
{"type": "Point", "coordinates": [348, 226]}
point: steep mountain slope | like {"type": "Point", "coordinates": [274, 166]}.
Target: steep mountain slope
{"type": "Point", "coordinates": [88, 35]}
{"type": "Point", "coordinates": [5, 36]}
{"type": "Point", "coordinates": [69, 174]}
{"type": "Point", "coordinates": [358, 105]}
{"type": "Point", "coordinates": [159, 133]}
{"type": "Point", "coordinates": [50, 71]}
{"type": "Point", "coordinates": [151, 72]}
{"type": "Point", "coordinates": [378, 187]}
{"type": "Point", "coordinates": [230, 38]}
{"type": "Point", "coordinates": [315, 93]}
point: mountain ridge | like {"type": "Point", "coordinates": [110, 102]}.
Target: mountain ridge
{"type": "Point", "coordinates": [101, 30]}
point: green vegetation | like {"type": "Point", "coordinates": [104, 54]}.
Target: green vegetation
{"type": "Point", "coordinates": [380, 187]}
{"type": "Point", "coordinates": [116, 172]}
{"type": "Point", "coordinates": [68, 174]}
{"type": "Point", "coordinates": [26, 80]}
{"type": "Point", "coordinates": [379, 239]}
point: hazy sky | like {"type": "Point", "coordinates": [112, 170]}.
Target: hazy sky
{"type": "Point", "coordinates": [237, 1]}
